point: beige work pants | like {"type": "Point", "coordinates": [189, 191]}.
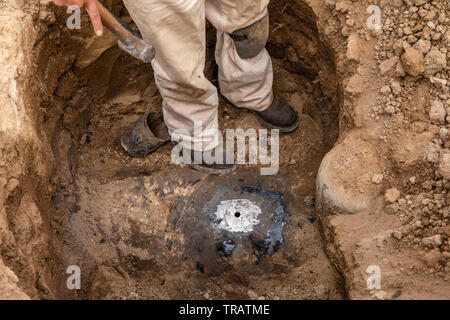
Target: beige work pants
{"type": "Point", "coordinates": [176, 29]}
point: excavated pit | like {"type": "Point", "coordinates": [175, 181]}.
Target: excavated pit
{"type": "Point", "coordinates": [146, 228]}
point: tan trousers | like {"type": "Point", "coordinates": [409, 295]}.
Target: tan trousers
{"type": "Point", "coordinates": [176, 29]}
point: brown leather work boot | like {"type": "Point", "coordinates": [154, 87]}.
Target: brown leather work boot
{"type": "Point", "coordinates": [280, 115]}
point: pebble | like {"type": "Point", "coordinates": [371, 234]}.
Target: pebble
{"type": "Point", "coordinates": [396, 87]}
{"type": "Point", "coordinates": [435, 61]}
{"type": "Point", "coordinates": [431, 259]}
{"type": "Point", "coordinates": [386, 90]}
{"type": "Point", "coordinates": [437, 112]}
{"type": "Point", "coordinates": [397, 234]}
{"type": "Point", "coordinates": [377, 178]}
{"type": "Point", "coordinates": [433, 241]}
{"type": "Point", "coordinates": [423, 46]}
{"type": "Point", "coordinates": [443, 133]}
{"type": "Point", "coordinates": [12, 184]}
{"type": "Point", "coordinates": [392, 208]}
{"type": "Point", "coordinates": [392, 195]}
{"type": "Point", "coordinates": [388, 65]}
{"type": "Point", "coordinates": [413, 62]}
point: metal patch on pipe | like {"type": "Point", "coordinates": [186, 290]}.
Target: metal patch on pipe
{"type": "Point", "coordinates": [237, 215]}
{"type": "Point", "coordinates": [250, 217]}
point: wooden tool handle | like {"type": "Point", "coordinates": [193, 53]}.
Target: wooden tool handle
{"type": "Point", "coordinates": [115, 26]}
{"type": "Point", "coordinates": [129, 40]}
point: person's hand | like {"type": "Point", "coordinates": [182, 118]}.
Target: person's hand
{"type": "Point", "coordinates": [91, 8]}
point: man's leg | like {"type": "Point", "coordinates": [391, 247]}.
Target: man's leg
{"type": "Point", "coordinates": [245, 67]}
{"type": "Point", "coordinates": [245, 77]}
{"type": "Point", "coordinates": [176, 29]}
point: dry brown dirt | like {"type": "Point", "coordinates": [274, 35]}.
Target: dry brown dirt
{"type": "Point", "coordinates": [365, 178]}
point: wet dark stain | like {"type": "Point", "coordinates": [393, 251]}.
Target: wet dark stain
{"type": "Point", "coordinates": [397, 294]}
{"type": "Point", "coordinates": [274, 239]}
{"type": "Point", "coordinates": [140, 240]}
{"type": "Point", "coordinates": [200, 267]}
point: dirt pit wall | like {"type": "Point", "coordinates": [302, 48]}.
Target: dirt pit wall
{"type": "Point", "coordinates": [53, 77]}
{"type": "Point", "coordinates": [28, 249]}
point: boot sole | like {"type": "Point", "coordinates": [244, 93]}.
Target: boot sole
{"type": "Point", "coordinates": [271, 126]}
{"type": "Point", "coordinates": [217, 172]}
{"type": "Point", "coordinates": [142, 155]}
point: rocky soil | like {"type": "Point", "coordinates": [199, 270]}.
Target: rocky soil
{"type": "Point", "coordinates": [402, 92]}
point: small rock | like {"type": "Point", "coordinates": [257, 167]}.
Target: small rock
{"type": "Point", "coordinates": [386, 90]}
{"type": "Point", "coordinates": [389, 110]}
{"type": "Point", "coordinates": [399, 71]}
{"type": "Point", "coordinates": [433, 241]}
{"type": "Point", "coordinates": [437, 112]}
{"type": "Point", "coordinates": [12, 184]}
{"type": "Point", "coordinates": [388, 65]}
{"type": "Point", "coordinates": [438, 82]}
{"type": "Point", "coordinates": [443, 133]}
{"type": "Point", "coordinates": [412, 39]}
{"type": "Point", "coordinates": [430, 15]}
{"type": "Point", "coordinates": [397, 235]}
{"type": "Point", "coordinates": [407, 31]}
{"type": "Point", "coordinates": [413, 62]}
{"type": "Point", "coordinates": [377, 178]}
{"type": "Point", "coordinates": [396, 87]}
{"type": "Point", "coordinates": [435, 61]}
{"type": "Point", "coordinates": [423, 46]}
{"type": "Point", "coordinates": [354, 47]}
{"type": "Point", "coordinates": [431, 259]}
{"type": "Point", "coordinates": [392, 195]}
{"type": "Point", "coordinates": [392, 208]}
{"type": "Point", "coordinates": [430, 152]}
